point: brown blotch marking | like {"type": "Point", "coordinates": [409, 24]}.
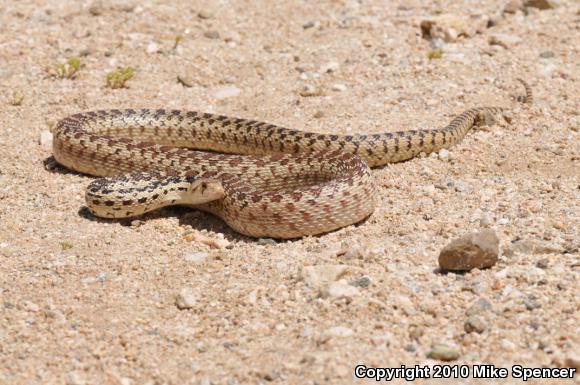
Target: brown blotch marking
{"type": "Point", "coordinates": [305, 215]}
{"type": "Point", "coordinates": [296, 196]}
{"type": "Point", "coordinates": [276, 198]}
{"type": "Point", "coordinates": [290, 207]}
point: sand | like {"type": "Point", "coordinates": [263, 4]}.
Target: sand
{"type": "Point", "coordinates": [86, 301]}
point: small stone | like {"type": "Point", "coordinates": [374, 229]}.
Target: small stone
{"type": "Point", "coordinates": [309, 24]}
{"type": "Point", "coordinates": [185, 80]}
{"type": "Point", "coordinates": [484, 221]}
{"type": "Point", "coordinates": [341, 289]}
{"type": "Point", "coordinates": [329, 67]}
{"type": "Point", "coordinates": [512, 6]}
{"type": "Point", "coordinates": [267, 242]}
{"type": "Point", "coordinates": [443, 352]}
{"type": "Point", "coordinates": [480, 306]}
{"type": "Point", "coordinates": [547, 54]}
{"type": "Point", "coordinates": [212, 34]}
{"type": "Point", "coordinates": [96, 8]}
{"type": "Point", "coordinates": [475, 250]}
{"type": "Point", "coordinates": [361, 282]}
{"type": "Point", "coordinates": [31, 306]}
{"type": "Point", "coordinates": [573, 361]}
{"type": "Point", "coordinates": [461, 186]}
{"type": "Point", "coordinates": [339, 331]}
{"type": "Point", "coordinates": [205, 14]}
{"type": "Point", "coordinates": [475, 324]}
{"type": "Point", "coordinates": [531, 247]}
{"type": "Point", "coordinates": [310, 90]}
{"type": "Point", "coordinates": [197, 258]}
{"type": "Point", "coordinates": [186, 299]}
{"type": "Point", "coordinates": [74, 378]}
{"type": "Point", "coordinates": [226, 92]}
{"type": "Point", "coordinates": [543, 263]}
{"type": "Point", "coordinates": [503, 221]}
{"type": "Point", "coordinates": [45, 139]}
{"type": "Point", "coordinates": [507, 345]}
{"type": "Point", "coordinates": [532, 304]}
{"type": "Point", "coordinates": [443, 154]}
{"type": "Point", "coordinates": [353, 251]}
{"type": "Point", "coordinates": [541, 4]}
{"type": "Point", "coordinates": [504, 40]}
{"type": "Point", "coordinates": [318, 114]}
{"type": "Point", "coordinates": [85, 52]}
{"type": "Point", "coordinates": [338, 87]}
{"type": "Point", "coordinates": [321, 276]}
{"type": "Point", "coordinates": [152, 48]}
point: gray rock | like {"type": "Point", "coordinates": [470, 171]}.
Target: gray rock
{"type": "Point", "coordinates": [197, 258]}
{"type": "Point", "coordinates": [475, 324]}
{"type": "Point", "coordinates": [480, 306]}
{"type": "Point", "coordinates": [212, 34]}
{"type": "Point", "coordinates": [443, 352]}
{"type": "Point", "coordinates": [547, 54]}
{"type": "Point", "coordinates": [361, 282]}
{"type": "Point", "coordinates": [186, 299]}
{"type": "Point", "coordinates": [475, 250]}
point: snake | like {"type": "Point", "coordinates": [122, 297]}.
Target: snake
{"type": "Point", "coordinates": [263, 180]}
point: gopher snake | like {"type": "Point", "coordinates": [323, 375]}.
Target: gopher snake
{"type": "Point", "coordinates": [266, 181]}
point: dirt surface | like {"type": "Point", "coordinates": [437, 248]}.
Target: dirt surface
{"type": "Point", "coordinates": [85, 301]}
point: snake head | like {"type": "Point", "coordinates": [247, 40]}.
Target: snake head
{"type": "Point", "coordinates": [204, 190]}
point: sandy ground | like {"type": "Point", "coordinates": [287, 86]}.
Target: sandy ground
{"type": "Point", "coordinates": [84, 301]}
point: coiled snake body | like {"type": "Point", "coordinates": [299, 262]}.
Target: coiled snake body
{"type": "Point", "coordinates": [262, 180]}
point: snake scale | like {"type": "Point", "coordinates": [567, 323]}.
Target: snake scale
{"type": "Point", "coordinates": [262, 180]}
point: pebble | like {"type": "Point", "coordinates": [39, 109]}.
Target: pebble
{"type": "Point", "coordinates": [329, 67]}
{"type": "Point", "coordinates": [461, 186]}
{"type": "Point", "coordinates": [267, 242]}
{"type": "Point", "coordinates": [225, 92]}
{"type": "Point", "coordinates": [338, 87]}
{"type": "Point", "coordinates": [73, 378]}
{"type": "Point", "coordinates": [541, 4]}
{"type": "Point", "coordinates": [475, 324]}
{"type": "Point", "coordinates": [531, 247]}
{"type": "Point", "coordinates": [484, 221]}
{"type": "Point", "coordinates": [475, 250]}
{"type": "Point", "coordinates": [197, 258]}
{"type": "Point", "coordinates": [355, 251]}
{"type": "Point", "coordinates": [341, 289]}
{"type": "Point", "coordinates": [310, 90]}
{"type": "Point", "coordinates": [543, 263]}
{"type": "Point", "coordinates": [152, 48]}
{"type": "Point", "coordinates": [185, 80]}
{"type": "Point", "coordinates": [512, 6]}
{"type": "Point", "coordinates": [363, 281]}
{"type": "Point", "coordinates": [507, 345]}
{"type": "Point", "coordinates": [482, 305]}
{"type": "Point", "coordinates": [186, 299]}
{"type": "Point", "coordinates": [504, 40]}
{"type": "Point", "coordinates": [45, 139]}
{"type": "Point", "coordinates": [205, 14]}
{"type": "Point", "coordinates": [96, 8]}
{"type": "Point", "coordinates": [321, 276]}
{"type": "Point", "coordinates": [318, 114]}
{"type": "Point", "coordinates": [573, 361]}
{"type": "Point", "coordinates": [503, 221]}
{"type": "Point", "coordinates": [532, 304]}
{"type": "Point", "coordinates": [443, 352]}
{"type": "Point", "coordinates": [443, 154]}
{"type": "Point", "coordinates": [547, 54]}
{"type": "Point", "coordinates": [212, 34]}
{"type": "Point", "coordinates": [339, 331]}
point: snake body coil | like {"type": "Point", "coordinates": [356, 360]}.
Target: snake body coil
{"type": "Point", "coordinates": [261, 179]}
